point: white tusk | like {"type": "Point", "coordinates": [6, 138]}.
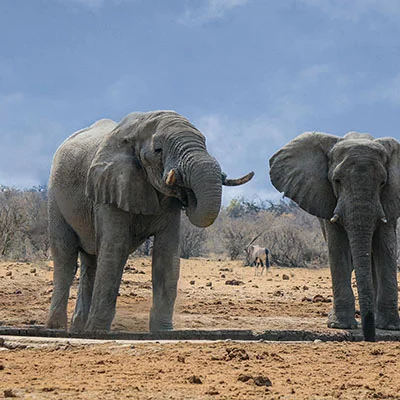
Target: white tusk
{"type": "Point", "coordinates": [171, 178]}
{"type": "Point", "coordinates": [384, 220]}
{"type": "Point", "coordinates": [334, 219]}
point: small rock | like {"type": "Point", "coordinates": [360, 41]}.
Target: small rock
{"type": "Point", "coordinates": [305, 287]}
{"type": "Point", "coordinates": [262, 381]}
{"type": "Point", "coordinates": [8, 273]}
{"type": "Point", "coordinates": [234, 282]}
{"type": "Point", "coordinates": [8, 393]}
{"type": "Point", "coordinates": [244, 378]}
{"type": "Point", "coordinates": [212, 392]}
{"type": "Point", "coordinates": [285, 277]}
{"type": "Point", "coordinates": [279, 293]}
{"type": "Point", "coordinates": [33, 271]}
{"type": "Point", "coordinates": [320, 299]}
{"type": "Point", "coordinates": [209, 284]}
{"type": "Point", "coordinates": [181, 359]}
{"type": "Point", "coordinates": [306, 299]}
{"type": "Point", "coordinates": [192, 282]}
{"type": "Point", "coordinates": [195, 379]}
{"type": "Point", "coordinates": [236, 353]}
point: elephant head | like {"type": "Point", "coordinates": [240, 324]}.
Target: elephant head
{"type": "Point", "coordinates": [353, 181]}
{"type": "Point", "coordinates": [148, 155]}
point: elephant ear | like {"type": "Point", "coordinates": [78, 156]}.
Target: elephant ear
{"type": "Point", "coordinates": [300, 171]}
{"type": "Point", "coordinates": [116, 177]}
{"type": "Point", "coordinates": [390, 196]}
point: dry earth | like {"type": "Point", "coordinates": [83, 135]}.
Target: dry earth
{"type": "Point", "coordinates": [283, 299]}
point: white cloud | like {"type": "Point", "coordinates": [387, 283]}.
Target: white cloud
{"type": "Point", "coordinates": [356, 9]}
{"type": "Point", "coordinates": [209, 10]}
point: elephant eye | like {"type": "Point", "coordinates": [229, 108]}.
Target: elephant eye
{"type": "Point", "coordinates": [158, 150]}
{"type": "Point", "coordinates": [383, 183]}
{"type": "Point", "coordinates": [337, 181]}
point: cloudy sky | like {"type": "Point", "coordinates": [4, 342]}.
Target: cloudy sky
{"type": "Point", "coordinates": [250, 74]}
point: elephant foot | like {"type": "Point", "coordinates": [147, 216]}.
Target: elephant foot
{"type": "Point", "coordinates": [341, 320]}
{"type": "Point", "coordinates": [159, 323]}
{"type": "Point", "coordinates": [77, 324]}
{"type": "Point", "coordinates": [55, 325]}
{"type": "Point", "coordinates": [388, 322]}
{"type": "Point", "coordinates": [95, 326]}
{"type": "Point", "coordinates": [56, 321]}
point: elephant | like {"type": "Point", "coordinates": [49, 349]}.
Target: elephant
{"type": "Point", "coordinates": [258, 256]}
{"type": "Point", "coordinates": [353, 185]}
{"type": "Point", "coordinates": [112, 186]}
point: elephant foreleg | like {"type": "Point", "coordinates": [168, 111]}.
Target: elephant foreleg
{"type": "Point", "coordinates": [165, 275]}
{"type": "Point", "coordinates": [113, 240]}
{"type": "Point", "coordinates": [86, 283]}
{"type": "Point", "coordinates": [384, 254]}
{"type": "Point", "coordinates": [343, 313]}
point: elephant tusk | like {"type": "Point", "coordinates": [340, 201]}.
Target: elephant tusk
{"type": "Point", "coordinates": [334, 219]}
{"type": "Point", "coordinates": [384, 220]}
{"type": "Point", "coordinates": [236, 182]}
{"type": "Point", "coordinates": [171, 178]}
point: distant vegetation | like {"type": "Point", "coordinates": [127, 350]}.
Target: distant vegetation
{"type": "Point", "coordinates": [293, 237]}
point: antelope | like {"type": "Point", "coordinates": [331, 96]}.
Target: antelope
{"type": "Point", "coordinates": [257, 256]}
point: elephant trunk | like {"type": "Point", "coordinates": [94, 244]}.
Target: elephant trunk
{"type": "Point", "coordinates": [360, 240]}
{"type": "Point", "coordinates": [204, 201]}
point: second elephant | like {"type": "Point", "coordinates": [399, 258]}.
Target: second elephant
{"type": "Point", "coordinates": [353, 184]}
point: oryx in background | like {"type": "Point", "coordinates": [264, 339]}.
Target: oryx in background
{"type": "Point", "coordinates": [257, 256]}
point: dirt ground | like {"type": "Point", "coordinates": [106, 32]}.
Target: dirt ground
{"type": "Point", "coordinates": [212, 295]}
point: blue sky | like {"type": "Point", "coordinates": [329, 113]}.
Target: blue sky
{"type": "Point", "coordinates": [250, 74]}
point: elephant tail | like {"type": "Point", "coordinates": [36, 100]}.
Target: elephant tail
{"type": "Point", "coordinates": [266, 258]}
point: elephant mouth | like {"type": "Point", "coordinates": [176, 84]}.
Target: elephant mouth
{"type": "Point", "coordinates": [183, 195]}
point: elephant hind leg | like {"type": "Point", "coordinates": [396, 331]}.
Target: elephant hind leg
{"type": "Point", "coordinates": [64, 249]}
{"type": "Point", "coordinates": [84, 299]}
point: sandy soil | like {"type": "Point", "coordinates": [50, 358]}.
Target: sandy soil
{"type": "Point", "coordinates": [282, 299]}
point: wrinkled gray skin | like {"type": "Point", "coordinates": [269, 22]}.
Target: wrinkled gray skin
{"type": "Point", "coordinates": [111, 187]}
{"type": "Point", "coordinates": [258, 256]}
{"type": "Point", "coordinates": [353, 184]}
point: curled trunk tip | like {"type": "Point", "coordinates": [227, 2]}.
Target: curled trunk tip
{"type": "Point", "coordinates": [238, 181]}
{"type": "Point", "coordinates": [368, 326]}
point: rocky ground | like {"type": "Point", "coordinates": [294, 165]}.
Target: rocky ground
{"type": "Point", "coordinates": [212, 295]}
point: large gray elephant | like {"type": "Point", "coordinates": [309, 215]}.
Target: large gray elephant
{"type": "Point", "coordinates": [353, 184]}
{"type": "Point", "coordinates": [112, 185]}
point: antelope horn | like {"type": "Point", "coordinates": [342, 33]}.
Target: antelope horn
{"type": "Point", "coordinates": [236, 182]}
{"type": "Point", "coordinates": [254, 239]}
{"type": "Point", "coordinates": [171, 178]}
{"type": "Point", "coordinates": [334, 219]}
